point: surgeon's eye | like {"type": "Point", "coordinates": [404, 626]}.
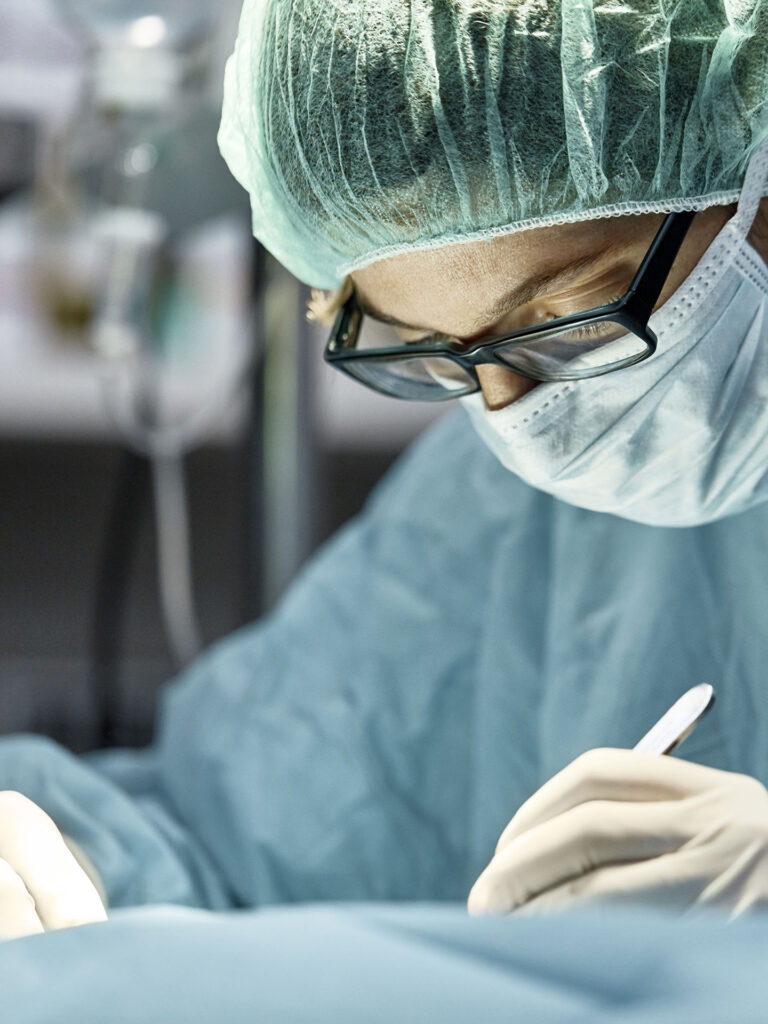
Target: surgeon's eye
{"type": "Point", "coordinates": [585, 332]}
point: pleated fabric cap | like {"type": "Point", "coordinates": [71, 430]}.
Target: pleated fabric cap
{"type": "Point", "coordinates": [367, 128]}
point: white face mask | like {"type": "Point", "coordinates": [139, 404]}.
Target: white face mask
{"type": "Point", "coordinates": [681, 438]}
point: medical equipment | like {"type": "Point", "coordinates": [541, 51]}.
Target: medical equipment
{"type": "Point", "coordinates": [553, 808]}
{"type": "Point", "coordinates": [619, 827]}
{"type": "Point", "coordinates": [679, 722]}
{"type": "Point", "coordinates": [116, 218]}
{"type": "Point", "coordinates": [567, 845]}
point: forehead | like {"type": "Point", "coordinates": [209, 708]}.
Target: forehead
{"type": "Point", "coordinates": [449, 287]}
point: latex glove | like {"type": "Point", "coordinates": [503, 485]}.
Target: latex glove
{"type": "Point", "coordinates": [42, 886]}
{"type": "Point", "coordinates": [621, 826]}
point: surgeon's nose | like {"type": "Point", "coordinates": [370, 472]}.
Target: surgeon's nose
{"type": "Point", "coordinates": [501, 387]}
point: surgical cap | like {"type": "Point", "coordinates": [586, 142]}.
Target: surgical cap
{"type": "Point", "coordinates": [367, 128]}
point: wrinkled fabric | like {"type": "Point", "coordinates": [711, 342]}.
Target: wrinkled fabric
{"type": "Point", "coordinates": [448, 652]}
{"type": "Point", "coordinates": [679, 439]}
{"type": "Point", "coordinates": [367, 128]}
{"type": "Point", "coordinates": [414, 965]}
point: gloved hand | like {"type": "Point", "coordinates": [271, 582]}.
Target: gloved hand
{"type": "Point", "coordinates": [42, 886]}
{"type": "Point", "coordinates": [621, 826]}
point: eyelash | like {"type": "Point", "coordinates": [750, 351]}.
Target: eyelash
{"type": "Point", "coordinates": [593, 330]}
{"type": "Point", "coordinates": [587, 331]}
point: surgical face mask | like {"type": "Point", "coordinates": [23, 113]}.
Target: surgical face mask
{"type": "Point", "coordinates": [680, 439]}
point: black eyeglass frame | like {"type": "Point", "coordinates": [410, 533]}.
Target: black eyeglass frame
{"type": "Point", "coordinates": [632, 311]}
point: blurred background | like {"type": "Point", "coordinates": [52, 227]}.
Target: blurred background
{"type": "Point", "coordinates": [172, 447]}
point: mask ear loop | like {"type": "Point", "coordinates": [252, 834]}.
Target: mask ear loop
{"type": "Point", "coordinates": [752, 191]}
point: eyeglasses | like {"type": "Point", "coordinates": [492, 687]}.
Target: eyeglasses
{"type": "Point", "coordinates": [575, 347]}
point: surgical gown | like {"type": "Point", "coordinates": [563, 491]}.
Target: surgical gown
{"type": "Point", "coordinates": [453, 647]}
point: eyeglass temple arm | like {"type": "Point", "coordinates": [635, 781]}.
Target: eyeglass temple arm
{"type": "Point", "coordinates": [347, 324]}
{"type": "Point", "coordinates": [655, 268]}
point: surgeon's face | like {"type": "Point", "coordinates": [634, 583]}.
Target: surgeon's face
{"type": "Point", "coordinates": [484, 288]}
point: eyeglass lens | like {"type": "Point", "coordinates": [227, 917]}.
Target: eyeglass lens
{"type": "Point", "coordinates": [427, 379]}
{"type": "Point", "coordinates": [587, 351]}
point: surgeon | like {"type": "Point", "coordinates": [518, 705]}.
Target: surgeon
{"type": "Point", "coordinates": [556, 211]}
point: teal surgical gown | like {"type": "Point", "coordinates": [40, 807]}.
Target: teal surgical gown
{"type": "Point", "coordinates": [452, 648]}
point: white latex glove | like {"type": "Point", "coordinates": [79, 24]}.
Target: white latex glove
{"type": "Point", "coordinates": [621, 826]}
{"type": "Point", "coordinates": [42, 886]}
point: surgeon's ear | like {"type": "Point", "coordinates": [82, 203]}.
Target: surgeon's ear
{"type": "Point", "coordinates": [324, 305]}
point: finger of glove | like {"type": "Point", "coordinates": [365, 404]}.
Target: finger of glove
{"type": "Point", "coordinates": [32, 845]}
{"type": "Point", "coordinates": [88, 867]}
{"type": "Point", "coordinates": [576, 844]}
{"type": "Point", "coordinates": [606, 774]}
{"type": "Point", "coordinates": [677, 880]}
{"type": "Point", "coordinates": [18, 916]}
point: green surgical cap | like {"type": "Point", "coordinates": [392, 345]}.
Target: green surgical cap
{"type": "Point", "coordinates": [367, 128]}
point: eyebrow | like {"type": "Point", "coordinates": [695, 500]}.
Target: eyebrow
{"type": "Point", "coordinates": [531, 288]}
